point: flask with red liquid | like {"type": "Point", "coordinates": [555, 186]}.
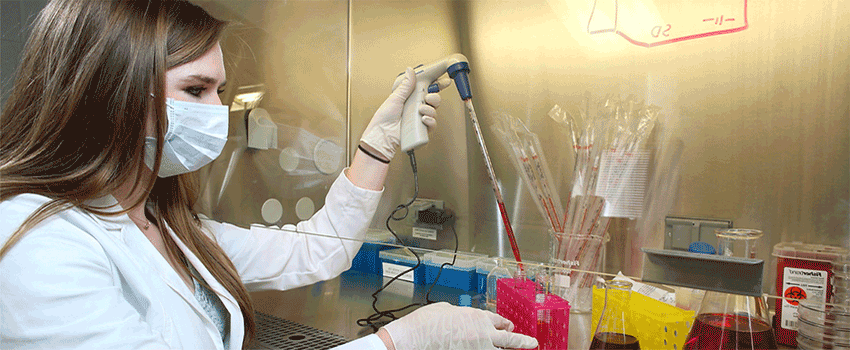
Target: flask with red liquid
{"type": "Point", "coordinates": [730, 321]}
{"type": "Point", "coordinates": [613, 331]}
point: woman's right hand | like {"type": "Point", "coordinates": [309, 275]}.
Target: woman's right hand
{"type": "Point", "coordinates": [444, 326]}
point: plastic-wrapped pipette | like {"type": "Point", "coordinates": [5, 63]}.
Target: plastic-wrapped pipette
{"type": "Point", "coordinates": [533, 183]}
{"type": "Point", "coordinates": [544, 176]}
{"type": "Point", "coordinates": [522, 162]}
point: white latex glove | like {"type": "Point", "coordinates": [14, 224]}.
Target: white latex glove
{"type": "Point", "coordinates": [382, 135]}
{"type": "Point", "coordinates": [444, 326]}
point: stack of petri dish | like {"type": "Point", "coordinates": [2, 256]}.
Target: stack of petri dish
{"type": "Point", "coordinates": [841, 282]}
{"type": "Point", "coordinates": [823, 326]}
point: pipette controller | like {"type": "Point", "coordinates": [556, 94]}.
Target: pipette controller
{"type": "Point", "coordinates": [413, 132]}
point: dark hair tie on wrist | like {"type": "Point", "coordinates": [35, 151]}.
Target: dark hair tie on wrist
{"type": "Point", "coordinates": [360, 147]}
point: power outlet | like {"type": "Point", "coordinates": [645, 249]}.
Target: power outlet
{"type": "Point", "coordinates": [421, 204]}
{"type": "Point", "coordinates": [680, 232]}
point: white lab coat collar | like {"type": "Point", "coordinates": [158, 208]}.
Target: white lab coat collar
{"type": "Point", "coordinates": [118, 224]}
{"type": "Point", "coordinates": [110, 204]}
{"type": "Point", "coordinates": [237, 329]}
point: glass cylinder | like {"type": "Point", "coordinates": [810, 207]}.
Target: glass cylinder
{"type": "Point", "coordinates": [544, 316]}
{"type": "Point", "coordinates": [542, 281]}
{"type": "Point", "coordinates": [613, 330]}
{"type": "Point", "coordinates": [582, 256]}
{"type": "Point", "coordinates": [500, 271]}
{"type": "Point", "coordinates": [732, 321]}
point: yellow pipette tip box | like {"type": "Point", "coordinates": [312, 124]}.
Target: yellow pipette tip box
{"type": "Point", "coordinates": [658, 325]}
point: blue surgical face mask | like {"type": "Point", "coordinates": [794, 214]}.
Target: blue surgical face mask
{"type": "Point", "coordinates": [195, 137]}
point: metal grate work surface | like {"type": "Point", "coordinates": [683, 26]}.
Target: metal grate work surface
{"type": "Point", "coordinates": [277, 333]}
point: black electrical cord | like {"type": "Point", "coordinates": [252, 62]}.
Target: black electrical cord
{"type": "Point", "coordinates": [454, 258]}
{"type": "Point", "coordinates": [376, 320]}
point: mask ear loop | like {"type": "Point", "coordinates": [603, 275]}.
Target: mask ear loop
{"type": "Point", "coordinates": [152, 96]}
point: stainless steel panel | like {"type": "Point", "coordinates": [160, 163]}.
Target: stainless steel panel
{"type": "Point", "coordinates": [295, 52]}
{"type": "Point", "coordinates": [334, 306]}
{"type": "Point", "coordinates": [755, 124]}
{"type": "Point", "coordinates": [277, 333]}
{"type": "Point", "coordinates": [387, 37]}
{"type": "Point", "coordinates": [719, 273]}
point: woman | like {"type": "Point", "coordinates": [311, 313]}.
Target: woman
{"type": "Point", "coordinates": [102, 247]}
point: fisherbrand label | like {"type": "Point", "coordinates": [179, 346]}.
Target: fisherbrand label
{"type": "Point", "coordinates": [800, 284]}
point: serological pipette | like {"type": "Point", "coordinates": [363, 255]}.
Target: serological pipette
{"type": "Point", "coordinates": [492, 174]}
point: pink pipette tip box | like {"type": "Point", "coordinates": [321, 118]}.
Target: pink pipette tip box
{"type": "Point", "coordinates": [516, 301]}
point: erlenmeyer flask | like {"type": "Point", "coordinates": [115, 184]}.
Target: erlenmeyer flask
{"type": "Point", "coordinates": [732, 321]}
{"type": "Point", "coordinates": [613, 330]}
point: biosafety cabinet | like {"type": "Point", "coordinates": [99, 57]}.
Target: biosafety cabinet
{"type": "Point", "coordinates": [750, 125]}
{"type": "Point", "coordinates": [753, 125]}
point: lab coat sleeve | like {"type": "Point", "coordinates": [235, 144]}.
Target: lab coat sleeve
{"type": "Point", "coordinates": [316, 249]}
{"type": "Point", "coordinates": [58, 290]}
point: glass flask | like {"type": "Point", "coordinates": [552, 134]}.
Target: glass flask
{"type": "Point", "coordinates": [613, 331]}
{"type": "Point", "coordinates": [732, 321]}
{"type": "Point", "coordinates": [500, 271]}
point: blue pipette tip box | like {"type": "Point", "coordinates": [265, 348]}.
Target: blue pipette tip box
{"type": "Point", "coordinates": [367, 259]}
{"type": "Point", "coordinates": [461, 275]}
{"type": "Point", "coordinates": [395, 261]}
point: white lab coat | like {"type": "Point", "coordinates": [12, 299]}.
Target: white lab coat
{"type": "Point", "coordinates": [79, 280]}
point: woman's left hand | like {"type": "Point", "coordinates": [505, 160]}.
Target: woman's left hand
{"type": "Point", "coordinates": [444, 326]}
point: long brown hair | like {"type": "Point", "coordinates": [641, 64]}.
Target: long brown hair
{"type": "Point", "coordinates": [73, 126]}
